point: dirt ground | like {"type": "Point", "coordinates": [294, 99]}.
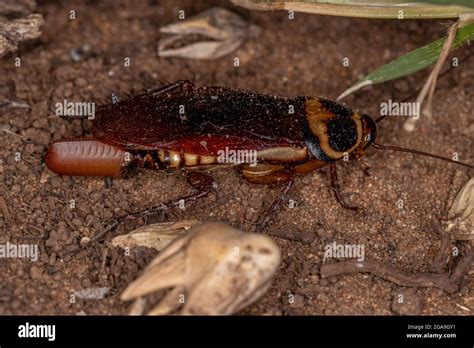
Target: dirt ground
{"type": "Point", "coordinates": [303, 56]}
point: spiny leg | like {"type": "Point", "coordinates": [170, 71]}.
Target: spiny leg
{"type": "Point", "coordinates": [202, 182]}
{"type": "Point", "coordinates": [266, 216]}
{"type": "Point", "coordinates": [269, 174]}
{"type": "Point", "coordinates": [181, 84]}
{"type": "Point", "coordinates": [365, 167]}
{"type": "Point", "coordinates": [336, 188]}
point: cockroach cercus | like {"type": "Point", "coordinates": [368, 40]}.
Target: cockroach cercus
{"type": "Point", "coordinates": [181, 126]}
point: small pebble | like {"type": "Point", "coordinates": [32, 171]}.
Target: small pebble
{"type": "Point", "coordinates": [296, 301]}
{"type": "Point", "coordinates": [406, 302]}
{"type": "Point", "coordinates": [36, 273]}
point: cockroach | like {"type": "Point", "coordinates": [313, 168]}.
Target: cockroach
{"type": "Point", "coordinates": [181, 126]}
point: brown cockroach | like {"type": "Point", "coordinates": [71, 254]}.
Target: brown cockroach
{"type": "Point", "coordinates": [181, 126]}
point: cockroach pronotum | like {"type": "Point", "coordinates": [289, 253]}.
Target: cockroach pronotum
{"type": "Point", "coordinates": [181, 126]}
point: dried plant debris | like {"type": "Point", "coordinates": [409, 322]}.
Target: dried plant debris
{"type": "Point", "coordinates": [450, 282]}
{"type": "Point", "coordinates": [459, 226]}
{"type": "Point", "coordinates": [460, 222]}
{"type": "Point", "coordinates": [155, 236]}
{"type": "Point", "coordinates": [94, 293]}
{"type": "Point", "coordinates": [14, 103]}
{"type": "Point", "coordinates": [209, 35]}
{"type": "Point", "coordinates": [12, 32]}
{"type": "Point", "coordinates": [214, 269]}
{"type": "Point", "coordinates": [17, 7]}
{"type": "Point", "coordinates": [362, 8]}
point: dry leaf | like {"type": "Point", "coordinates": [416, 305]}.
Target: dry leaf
{"type": "Point", "coordinates": [155, 236]}
{"type": "Point", "coordinates": [209, 35]}
{"type": "Point", "coordinates": [14, 31]}
{"type": "Point", "coordinates": [94, 293]}
{"type": "Point", "coordinates": [214, 269]}
{"type": "Point", "coordinates": [461, 214]}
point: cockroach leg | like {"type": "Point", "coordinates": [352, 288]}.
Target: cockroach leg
{"type": "Point", "coordinates": [439, 262]}
{"type": "Point", "coordinates": [365, 167]}
{"type": "Point", "coordinates": [266, 216]}
{"type": "Point", "coordinates": [108, 182]}
{"type": "Point", "coordinates": [181, 84]}
{"type": "Point", "coordinates": [337, 189]}
{"type": "Point", "coordinates": [166, 206]}
{"type": "Point", "coordinates": [202, 182]}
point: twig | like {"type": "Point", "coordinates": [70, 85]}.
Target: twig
{"type": "Point", "coordinates": [10, 132]}
{"type": "Point", "coordinates": [430, 83]}
{"type": "Point", "coordinates": [463, 266]}
{"type": "Point", "coordinates": [389, 273]}
{"type": "Point", "coordinates": [14, 103]}
{"type": "Point", "coordinates": [5, 211]}
{"type": "Point", "coordinates": [450, 284]}
{"type": "Point", "coordinates": [439, 64]}
{"type": "Point", "coordinates": [439, 262]}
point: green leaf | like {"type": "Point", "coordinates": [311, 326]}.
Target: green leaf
{"type": "Point", "coordinates": [467, 3]}
{"type": "Point", "coordinates": [388, 9]}
{"type": "Point", "coordinates": [412, 62]}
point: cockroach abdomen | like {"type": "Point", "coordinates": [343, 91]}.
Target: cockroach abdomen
{"type": "Point", "coordinates": [85, 157]}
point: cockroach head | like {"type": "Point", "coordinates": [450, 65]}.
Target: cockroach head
{"type": "Point", "coordinates": [369, 131]}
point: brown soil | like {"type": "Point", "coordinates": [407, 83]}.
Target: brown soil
{"type": "Point", "coordinates": [289, 58]}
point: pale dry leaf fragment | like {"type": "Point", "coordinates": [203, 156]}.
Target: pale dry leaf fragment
{"type": "Point", "coordinates": [155, 236]}
{"type": "Point", "coordinates": [170, 302]}
{"type": "Point", "coordinates": [208, 35]}
{"type": "Point", "coordinates": [93, 293]}
{"type": "Point", "coordinates": [138, 306]}
{"type": "Point", "coordinates": [13, 103]}
{"type": "Point", "coordinates": [461, 214]}
{"type": "Point", "coordinates": [6, 46]}
{"type": "Point", "coordinates": [14, 31]}
{"type": "Point", "coordinates": [214, 269]}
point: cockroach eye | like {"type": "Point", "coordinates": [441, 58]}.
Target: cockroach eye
{"type": "Point", "coordinates": [370, 130]}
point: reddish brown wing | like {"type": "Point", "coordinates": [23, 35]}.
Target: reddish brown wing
{"type": "Point", "coordinates": [201, 121]}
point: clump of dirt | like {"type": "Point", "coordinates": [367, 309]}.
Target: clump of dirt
{"type": "Point", "coordinates": [81, 59]}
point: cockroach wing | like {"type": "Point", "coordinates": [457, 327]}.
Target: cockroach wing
{"type": "Point", "coordinates": [202, 121]}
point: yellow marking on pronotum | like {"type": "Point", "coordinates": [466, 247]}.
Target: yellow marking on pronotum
{"type": "Point", "coordinates": [317, 117]}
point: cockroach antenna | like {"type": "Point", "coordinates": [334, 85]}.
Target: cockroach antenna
{"type": "Point", "coordinates": [421, 153]}
{"type": "Point", "coordinates": [416, 152]}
